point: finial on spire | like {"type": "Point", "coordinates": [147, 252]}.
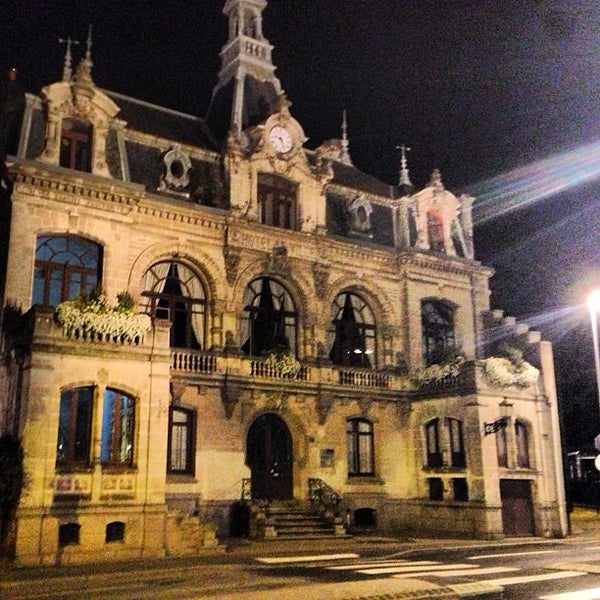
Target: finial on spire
{"type": "Point", "coordinates": [84, 68]}
{"type": "Point", "coordinates": [67, 70]}
{"type": "Point", "coordinates": [345, 155]}
{"type": "Point", "coordinates": [404, 180]}
{"type": "Point", "coordinates": [283, 103]}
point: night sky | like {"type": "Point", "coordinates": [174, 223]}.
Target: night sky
{"type": "Point", "coordinates": [503, 96]}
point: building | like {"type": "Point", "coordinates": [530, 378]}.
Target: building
{"type": "Point", "coordinates": [206, 324]}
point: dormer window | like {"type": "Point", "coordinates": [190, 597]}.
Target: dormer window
{"type": "Point", "coordinates": [435, 231]}
{"type": "Point", "coordinates": [76, 145]}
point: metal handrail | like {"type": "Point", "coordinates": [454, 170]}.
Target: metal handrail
{"type": "Point", "coordinates": [323, 497]}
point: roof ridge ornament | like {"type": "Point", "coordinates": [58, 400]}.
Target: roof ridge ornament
{"type": "Point", "coordinates": [345, 155]}
{"type": "Point", "coordinates": [404, 180]}
{"type": "Point", "coordinates": [67, 66]}
{"type": "Point", "coordinates": [83, 75]}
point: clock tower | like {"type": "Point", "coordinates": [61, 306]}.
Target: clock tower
{"type": "Point", "coordinates": [248, 90]}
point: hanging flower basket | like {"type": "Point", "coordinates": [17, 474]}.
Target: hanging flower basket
{"type": "Point", "coordinates": [92, 317]}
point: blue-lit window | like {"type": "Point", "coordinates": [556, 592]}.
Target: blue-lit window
{"type": "Point", "coordinates": [65, 266]}
{"type": "Point", "coordinates": [118, 420]}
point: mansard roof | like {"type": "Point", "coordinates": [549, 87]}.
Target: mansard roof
{"type": "Point", "coordinates": [162, 122]}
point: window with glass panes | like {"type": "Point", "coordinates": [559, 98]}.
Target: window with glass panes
{"type": "Point", "coordinates": [74, 427]}
{"type": "Point", "coordinates": [181, 441]}
{"type": "Point", "coordinates": [65, 266]}
{"type": "Point", "coordinates": [359, 436]}
{"type": "Point", "coordinates": [118, 420]}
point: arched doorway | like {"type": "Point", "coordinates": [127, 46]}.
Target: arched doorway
{"type": "Point", "coordinates": [269, 454]}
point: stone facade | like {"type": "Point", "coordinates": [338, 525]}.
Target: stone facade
{"type": "Point", "coordinates": [295, 302]}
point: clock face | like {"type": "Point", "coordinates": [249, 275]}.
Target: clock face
{"type": "Point", "coordinates": [281, 139]}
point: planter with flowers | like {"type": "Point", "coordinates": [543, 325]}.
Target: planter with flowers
{"type": "Point", "coordinates": [510, 369]}
{"type": "Point", "coordinates": [438, 374]}
{"type": "Point", "coordinates": [90, 317]}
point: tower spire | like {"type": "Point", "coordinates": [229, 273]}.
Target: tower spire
{"type": "Point", "coordinates": [404, 182]}
{"type": "Point", "coordinates": [67, 67]}
{"type": "Point", "coordinates": [248, 90]}
{"type": "Point", "coordinates": [345, 155]}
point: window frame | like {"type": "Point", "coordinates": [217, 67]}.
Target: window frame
{"type": "Point", "coordinates": [118, 431]}
{"type": "Point", "coordinates": [277, 201]}
{"type": "Point", "coordinates": [76, 141]}
{"type": "Point", "coordinates": [56, 281]}
{"type": "Point", "coordinates": [438, 330]}
{"type": "Point", "coordinates": [360, 456]}
{"type": "Point", "coordinates": [189, 443]}
{"type": "Point", "coordinates": [458, 456]}
{"type": "Point", "coordinates": [433, 447]}
{"type": "Point", "coordinates": [523, 454]}
{"type": "Point", "coordinates": [79, 427]}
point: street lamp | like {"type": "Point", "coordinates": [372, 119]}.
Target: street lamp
{"type": "Point", "coordinates": [594, 306]}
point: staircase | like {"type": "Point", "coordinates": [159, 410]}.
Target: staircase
{"type": "Point", "coordinates": [296, 520]}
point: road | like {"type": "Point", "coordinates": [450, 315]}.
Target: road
{"type": "Point", "coordinates": [538, 570]}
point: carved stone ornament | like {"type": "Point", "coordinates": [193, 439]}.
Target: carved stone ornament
{"type": "Point", "coordinates": [176, 170]}
{"type": "Point", "coordinates": [365, 405]}
{"type": "Point", "coordinates": [324, 405]}
{"type": "Point", "coordinates": [321, 279]}
{"type": "Point", "coordinates": [230, 396]}
{"type": "Point", "coordinates": [279, 261]}
{"type": "Point", "coordinates": [359, 211]}
{"type": "Point", "coordinates": [232, 262]}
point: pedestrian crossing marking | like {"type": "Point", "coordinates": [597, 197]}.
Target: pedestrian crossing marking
{"type": "Point", "coordinates": [589, 594]}
{"type": "Point", "coordinates": [275, 560]}
{"type": "Point", "coordinates": [413, 569]}
{"type": "Point", "coordinates": [385, 563]}
{"type": "Point", "coordinates": [534, 578]}
{"type": "Point", "coordinates": [503, 554]}
{"type": "Point", "coordinates": [466, 572]}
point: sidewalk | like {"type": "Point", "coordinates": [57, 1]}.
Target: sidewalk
{"type": "Point", "coordinates": [585, 526]}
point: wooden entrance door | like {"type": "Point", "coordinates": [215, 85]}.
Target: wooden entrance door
{"type": "Point", "coordinates": [517, 507]}
{"type": "Point", "coordinates": [269, 455]}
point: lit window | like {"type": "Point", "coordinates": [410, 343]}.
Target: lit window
{"type": "Point", "coordinates": [181, 441]}
{"type": "Point", "coordinates": [353, 333]}
{"type": "Point", "coordinates": [117, 429]}
{"type": "Point", "coordinates": [173, 292]}
{"type": "Point", "coordinates": [359, 436]}
{"type": "Point", "coordinates": [65, 266]}
{"type": "Point", "coordinates": [435, 231]}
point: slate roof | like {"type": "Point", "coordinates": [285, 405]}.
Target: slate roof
{"type": "Point", "coordinates": [162, 122]}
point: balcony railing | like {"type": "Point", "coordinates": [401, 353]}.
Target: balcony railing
{"type": "Point", "coordinates": [260, 368]}
{"type": "Point", "coordinates": [193, 361]}
{"type": "Point", "coordinates": [363, 378]}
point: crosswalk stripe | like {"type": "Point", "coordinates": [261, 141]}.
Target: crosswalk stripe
{"type": "Point", "coordinates": [533, 578]}
{"type": "Point", "coordinates": [373, 564]}
{"type": "Point", "coordinates": [274, 560]}
{"type": "Point", "coordinates": [589, 594]}
{"type": "Point", "coordinates": [413, 569]}
{"type": "Point", "coordinates": [503, 554]}
{"type": "Point", "coordinates": [464, 572]}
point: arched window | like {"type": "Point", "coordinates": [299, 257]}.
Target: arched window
{"type": "Point", "coordinates": [65, 266]}
{"type": "Point", "coordinates": [435, 231]}
{"type": "Point", "coordinates": [522, 442]}
{"type": "Point", "coordinates": [277, 201]}
{"type": "Point", "coordinates": [359, 439]}
{"type": "Point", "coordinates": [269, 322]}
{"type": "Point", "coordinates": [76, 145]}
{"type": "Point", "coordinates": [173, 291]}
{"type": "Point", "coordinates": [353, 343]}
{"type": "Point", "coordinates": [437, 322]}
